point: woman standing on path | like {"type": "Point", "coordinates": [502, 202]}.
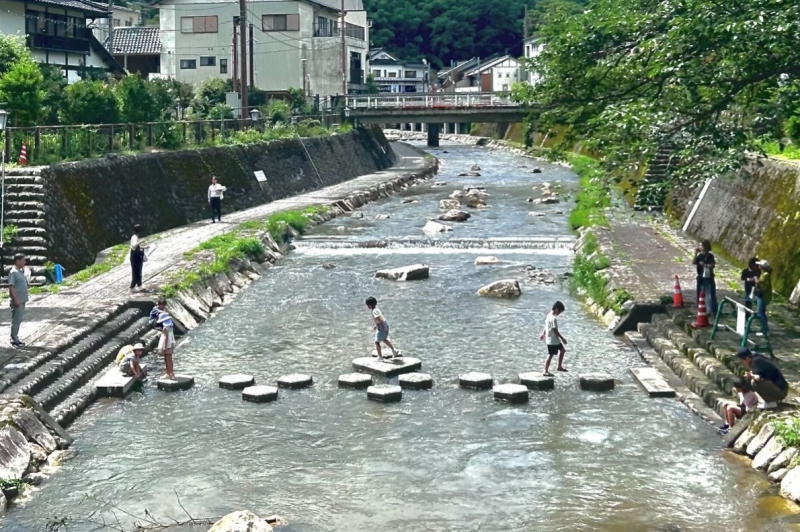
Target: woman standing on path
{"type": "Point", "coordinates": [763, 293]}
{"type": "Point", "coordinates": [704, 260]}
{"type": "Point", "coordinates": [137, 257]}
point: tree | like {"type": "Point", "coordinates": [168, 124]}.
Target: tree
{"type": "Point", "coordinates": [89, 102]}
{"type": "Point", "coordinates": [12, 49]}
{"type": "Point", "coordinates": [137, 100]}
{"type": "Point", "coordinates": [53, 86]}
{"type": "Point", "coordinates": [211, 92]}
{"type": "Point", "coordinates": [21, 90]}
{"type": "Point", "coordinates": [372, 85]}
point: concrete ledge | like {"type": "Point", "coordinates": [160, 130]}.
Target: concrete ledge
{"type": "Point", "coordinates": [653, 383]}
{"type": "Point", "coordinates": [115, 384]}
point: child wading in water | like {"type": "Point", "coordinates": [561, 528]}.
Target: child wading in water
{"type": "Point", "coordinates": [381, 327]}
{"type": "Point", "coordinates": [555, 342]}
{"type": "Point", "coordinates": [747, 401]}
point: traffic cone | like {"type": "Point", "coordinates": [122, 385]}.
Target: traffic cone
{"type": "Point", "coordinates": [23, 156]}
{"type": "Point", "coordinates": [702, 316]}
{"type": "Point", "coordinates": [677, 296]}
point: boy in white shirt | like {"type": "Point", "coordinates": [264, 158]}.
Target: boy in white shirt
{"type": "Point", "coordinates": [555, 342]}
{"type": "Point", "coordinates": [381, 327]}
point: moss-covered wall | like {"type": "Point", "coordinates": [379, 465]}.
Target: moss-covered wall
{"type": "Point", "coordinates": [92, 205]}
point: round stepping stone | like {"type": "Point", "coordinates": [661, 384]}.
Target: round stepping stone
{"type": "Point", "coordinates": [597, 382]}
{"type": "Point", "coordinates": [355, 380]}
{"type": "Point", "coordinates": [537, 381]}
{"type": "Point", "coordinates": [240, 381]}
{"type": "Point", "coordinates": [511, 393]}
{"type": "Point", "coordinates": [385, 393]}
{"type": "Point", "coordinates": [415, 381]}
{"type": "Point", "coordinates": [475, 381]}
{"type": "Point", "coordinates": [260, 394]}
{"type": "Point", "coordinates": [295, 381]}
{"type": "Point", "coordinates": [180, 382]}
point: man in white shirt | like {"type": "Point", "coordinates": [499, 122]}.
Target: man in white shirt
{"type": "Point", "coordinates": [215, 195]}
{"type": "Point", "coordinates": [18, 283]}
{"type": "Point", "coordinates": [555, 342]}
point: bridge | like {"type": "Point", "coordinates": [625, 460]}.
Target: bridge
{"type": "Point", "coordinates": [435, 109]}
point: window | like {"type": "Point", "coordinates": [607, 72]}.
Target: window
{"type": "Point", "coordinates": [116, 22]}
{"type": "Point", "coordinates": [199, 25]}
{"type": "Point", "coordinates": [280, 22]}
{"type": "Point", "coordinates": [223, 66]}
{"type": "Point", "coordinates": [411, 73]}
{"type": "Point", "coordinates": [392, 74]}
{"type": "Point", "coordinates": [208, 61]}
{"type": "Point", "coordinates": [129, 22]}
{"type": "Point", "coordinates": [376, 73]}
{"type": "Point", "coordinates": [188, 64]}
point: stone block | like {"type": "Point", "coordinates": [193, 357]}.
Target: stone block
{"type": "Point", "coordinates": [239, 381]}
{"type": "Point", "coordinates": [653, 382]}
{"type": "Point", "coordinates": [180, 382]}
{"type": "Point", "coordinates": [385, 393]}
{"type": "Point", "coordinates": [220, 284]}
{"type": "Point", "coordinates": [506, 289]}
{"type": "Point", "coordinates": [434, 228]}
{"type": "Point", "coordinates": [790, 485]}
{"type": "Point", "coordinates": [482, 261]}
{"type": "Point", "coordinates": [761, 440]}
{"type": "Point", "coordinates": [475, 381]}
{"type": "Point", "coordinates": [260, 394]}
{"type": "Point", "coordinates": [115, 384]}
{"type": "Point", "coordinates": [180, 315]}
{"type": "Point", "coordinates": [777, 475]}
{"type": "Point", "coordinates": [511, 393]}
{"type": "Point", "coordinates": [414, 272]}
{"type": "Point", "coordinates": [15, 454]}
{"type": "Point", "coordinates": [395, 367]}
{"type": "Point", "coordinates": [355, 380]}
{"type": "Point", "coordinates": [783, 460]}
{"type": "Point", "coordinates": [33, 429]}
{"type": "Point", "coordinates": [537, 381]}
{"type": "Point", "coordinates": [596, 382]}
{"type": "Point", "coordinates": [767, 454]}
{"type": "Point", "coordinates": [415, 381]}
{"type": "Point", "coordinates": [741, 426]}
{"type": "Point", "coordinates": [243, 521]}
{"type": "Point", "coordinates": [295, 381]}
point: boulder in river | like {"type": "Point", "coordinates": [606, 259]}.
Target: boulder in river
{"type": "Point", "coordinates": [529, 200]}
{"type": "Point", "coordinates": [357, 215]}
{"type": "Point", "coordinates": [410, 200]}
{"type": "Point", "coordinates": [382, 216]}
{"type": "Point", "coordinates": [475, 202]}
{"type": "Point", "coordinates": [449, 204]}
{"type": "Point", "coordinates": [482, 261]}
{"type": "Point", "coordinates": [438, 184]}
{"type": "Point", "coordinates": [549, 200]}
{"type": "Point", "coordinates": [414, 272]}
{"type": "Point", "coordinates": [536, 170]}
{"type": "Point", "coordinates": [15, 453]}
{"type": "Point", "coordinates": [243, 521]}
{"type": "Point", "coordinates": [455, 215]}
{"type": "Point", "coordinates": [432, 228]}
{"type": "Point", "coordinates": [506, 289]}
{"type": "Point", "coordinates": [536, 213]}
{"type": "Point", "coordinates": [475, 168]}
{"type": "Point", "coordinates": [456, 194]}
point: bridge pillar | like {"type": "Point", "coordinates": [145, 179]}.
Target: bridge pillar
{"type": "Point", "coordinates": [433, 135]}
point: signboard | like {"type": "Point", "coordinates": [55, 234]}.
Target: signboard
{"type": "Point", "coordinates": [741, 319]}
{"type": "Point", "coordinates": [260, 176]}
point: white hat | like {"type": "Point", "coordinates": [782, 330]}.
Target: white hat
{"type": "Point", "coordinates": [764, 263]}
{"type": "Point", "coordinates": [138, 346]}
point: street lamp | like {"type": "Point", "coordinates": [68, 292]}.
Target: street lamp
{"type": "Point", "coordinates": [3, 122]}
{"type": "Point", "coordinates": [255, 114]}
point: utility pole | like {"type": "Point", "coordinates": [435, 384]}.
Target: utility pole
{"type": "Point", "coordinates": [110, 27]}
{"type": "Point", "coordinates": [235, 61]}
{"type": "Point", "coordinates": [525, 24]}
{"type": "Point", "coordinates": [243, 37]}
{"type": "Point", "coordinates": [252, 62]}
{"type": "Point", "coordinates": [344, 54]}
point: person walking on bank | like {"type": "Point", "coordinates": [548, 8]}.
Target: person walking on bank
{"type": "Point", "coordinates": [704, 260]}
{"type": "Point", "coordinates": [137, 257]}
{"type": "Point", "coordinates": [763, 293]}
{"type": "Point", "coordinates": [18, 283]}
{"type": "Point", "coordinates": [215, 195]}
{"type": "Point", "coordinates": [750, 276]}
{"type": "Point", "coordinates": [765, 378]}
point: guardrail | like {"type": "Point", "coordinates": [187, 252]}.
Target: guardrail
{"type": "Point", "coordinates": [449, 100]}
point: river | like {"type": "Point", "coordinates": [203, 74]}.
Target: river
{"type": "Point", "coordinates": [325, 458]}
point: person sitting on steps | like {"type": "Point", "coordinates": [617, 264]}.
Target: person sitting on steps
{"type": "Point", "coordinates": [747, 401]}
{"type": "Point", "coordinates": [128, 361]}
{"type": "Point", "coordinates": [765, 378]}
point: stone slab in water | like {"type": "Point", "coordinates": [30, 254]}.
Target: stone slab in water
{"type": "Point", "coordinates": [397, 366]}
{"type": "Point", "coordinates": [239, 381]}
{"type": "Point", "coordinates": [355, 380]}
{"type": "Point", "coordinates": [15, 454]}
{"type": "Point", "coordinates": [180, 382]}
{"type": "Point", "coordinates": [653, 382]}
{"type": "Point", "coordinates": [295, 381]}
{"type": "Point", "coordinates": [415, 272]}
{"type": "Point", "coordinates": [597, 382]}
{"type": "Point", "coordinates": [114, 384]}
{"type": "Point", "coordinates": [511, 393]}
{"type": "Point", "coordinates": [537, 381]}
{"type": "Point", "coordinates": [385, 393]}
{"type": "Point", "coordinates": [475, 381]}
{"type": "Point", "coordinates": [415, 381]}
{"type": "Point", "coordinates": [260, 394]}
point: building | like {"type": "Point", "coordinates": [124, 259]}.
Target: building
{"type": "Point", "coordinates": [57, 32]}
{"type": "Point", "coordinates": [491, 75]}
{"type": "Point", "coordinates": [296, 43]}
{"type": "Point", "coordinates": [533, 46]}
{"type": "Point", "coordinates": [121, 17]}
{"type": "Point", "coordinates": [395, 76]}
{"type": "Point", "coordinates": [137, 49]}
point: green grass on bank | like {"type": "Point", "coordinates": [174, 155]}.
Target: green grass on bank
{"type": "Point", "coordinates": [593, 197]}
{"type": "Point", "coordinates": [587, 279]}
{"type": "Point", "coordinates": [773, 149]}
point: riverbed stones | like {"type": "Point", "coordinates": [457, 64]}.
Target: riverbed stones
{"type": "Point", "coordinates": [357, 215]}
{"type": "Point", "coordinates": [355, 380]}
{"type": "Point", "coordinates": [536, 170]}
{"type": "Point", "coordinates": [385, 393]}
{"type": "Point", "coordinates": [777, 475]}
{"type": "Point", "coordinates": [397, 366]}
{"type": "Point", "coordinates": [505, 288]}
{"type": "Point", "coordinates": [239, 381]}
{"type": "Point", "coordinates": [760, 441]}
{"type": "Point", "coordinates": [243, 521]}
{"type": "Point", "coordinates": [15, 453]}
{"type": "Point", "coordinates": [740, 447]}
{"type": "Point", "coordinates": [483, 261]}
{"type": "Point", "coordinates": [295, 381]}
{"type": "Point", "coordinates": [180, 382]}
{"type": "Point", "coordinates": [783, 460]}
{"type": "Point", "coordinates": [434, 228]}
{"type": "Point", "coordinates": [475, 381]}
{"type": "Point", "coordinates": [410, 200]}
{"type": "Point", "coordinates": [537, 381]}
{"type": "Point", "coordinates": [260, 394]}
{"type": "Point", "coordinates": [474, 202]}
{"type": "Point", "coordinates": [449, 204]}
{"type": "Point", "coordinates": [790, 485]}
{"type": "Point", "coordinates": [596, 382]}
{"type": "Point", "coordinates": [415, 381]}
{"type": "Point", "coordinates": [455, 215]}
{"type": "Point", "coordinates": [767, 454]}
{"type": "Point", "coordinates": [475, 168]}
{"type": "Point", "coordinates": [33, 429]}
{"type": "Point", "coordinates": [382, 216]}
{"type": "Point", "coordinates": [414, 272]}
{"type": "Point", "coordinates": [511, 393]}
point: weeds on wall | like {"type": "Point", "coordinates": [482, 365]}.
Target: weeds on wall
{"type": "Point", "coordinates": [788, 430]}
{"type": "Point", "coordinates": [593, 197]}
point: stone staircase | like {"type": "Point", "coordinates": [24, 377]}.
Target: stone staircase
{"type": "Point", "coordinates": [657, 172]}
{"type": "Point", "coordinates": [24, 197]}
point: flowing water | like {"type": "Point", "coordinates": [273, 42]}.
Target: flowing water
{"type": "Point", "coordinates": [445, 459]}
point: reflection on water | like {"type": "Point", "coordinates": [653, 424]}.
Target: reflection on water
{"type": "Point", "coordinates": [444, 459]}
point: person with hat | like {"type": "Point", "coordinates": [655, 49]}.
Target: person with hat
{"type": "Point", "coordinates": [128, 361]}
{"type": "Point", "coordinates": [765, 378]}
{"type": "Point", "coordinates": [162, 321]}
{"type": "Point", "coordinates": [763, 292]}
{"type": "Point", "coordinates": [19, 279]}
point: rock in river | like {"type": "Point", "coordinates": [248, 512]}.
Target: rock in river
{"type": "Point", "coordinates": [481, 261]}
{"type": "Point", "coordinates": [431, 228]}
{"type": "Point", "coordinates": [455, 215]}
{"type": "Point", "coordinates": [506, 288]}
{"type": "Point", "coordinates": [449, 204]}
{"type": "Point", "coordinates": [243, 521]}
{"type": "Point", "coordinates": [549, 200]}
{"type": "Point", "coordinates": [475, 202]}
{"type": "Point", "coordinates": [357, 214]}
{"type": "Point", "coordinates": [475, 168]}
{"type": "Point", "coordinates": [406, 273]}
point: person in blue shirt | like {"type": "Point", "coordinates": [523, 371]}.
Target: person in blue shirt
{"type": "Point", "coordinates": [166, 343]}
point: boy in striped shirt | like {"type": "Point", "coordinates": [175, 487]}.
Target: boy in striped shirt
{"type": "Point", "coordinates": [166, 343]}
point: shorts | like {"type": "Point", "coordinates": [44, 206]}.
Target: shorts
{"type": "Point", "coordinates": [382, 332]}
{"type": "Point", "coordinates": [166, 342]}
{"type": "Point", "coordinates": [743, 408]}
{"type": "Point", "coordinates": [554, 349]}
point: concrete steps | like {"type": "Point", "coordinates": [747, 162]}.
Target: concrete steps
{"type": "Point", "coordinates": [24, 208]}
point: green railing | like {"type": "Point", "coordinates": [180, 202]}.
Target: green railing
{"type": "Point", "coordinates": [752, 317]}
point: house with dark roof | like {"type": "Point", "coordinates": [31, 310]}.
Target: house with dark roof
{"type": "Point", "coordinates": [394, 75]}
{"type": "Point", "coordinates": [57, 33]}
{"type": "Point", "coordinates": [137, 49]}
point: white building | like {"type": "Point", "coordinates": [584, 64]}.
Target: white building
{"type": "Point", "coordinates": [297, 43]}
{"type": "Point", "coordinates": [532, 48]}
{"type": "Point", "coordinates": [395, 76]}
{"type": "Point", "coordinates": [121, 17]}
{"type": "Point", "coordinates": [491, 75]}
{"type": "Point", "coordinates": [57, 33]}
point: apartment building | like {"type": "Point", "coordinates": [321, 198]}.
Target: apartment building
{"type": "Point", "coordinates": [396, 76]}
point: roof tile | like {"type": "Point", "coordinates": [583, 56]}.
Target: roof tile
{"type": "Point", "coordinates": [136, 40]}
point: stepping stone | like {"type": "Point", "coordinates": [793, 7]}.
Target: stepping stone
{"type": "Point", "coordinates": [180, 382]}
{"type": "Point", "coordinates": [511, 393]}
{"type": "Point", "coordinates": [355, 380]}
{"type": "Point", "coordinates": [597, 382]}
{"type": "Point", "coordinates": [260, 394]}
{"type": "Point", "coordinates": [475, 381]}
{"type": "Point", "coordinates": [653, 382]}
{"type": "Point", "coordinates": [240, 381]}
{"type": "Point", "coordinates": [295, 381]}
{"type": "Point", "coordinates": [537, 381]}
{"type": "Point", "coordinates": [385, 393]}
{"type": "Point", "coordinates": [115, 384]}
{"type": "Point", "coordinates": [415, 381]}
{"type": "Point", "coordinates": [397, 366]}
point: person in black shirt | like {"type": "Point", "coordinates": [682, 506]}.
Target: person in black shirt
{"type": "Point", "coordinates": [765, 378]}
{"type": "Point", "coordinates": [704, 260]}
{"type": "Point", "coordinates": [749, 276]}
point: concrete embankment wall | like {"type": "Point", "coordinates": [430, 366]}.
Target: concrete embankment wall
{"type": "Point", "coordinates": [92, 205]}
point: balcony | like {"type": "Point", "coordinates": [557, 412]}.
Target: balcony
{"type": "Point", "coordinates": [61, 44]}
{"type": "Point", "coordinates": [328, 30]}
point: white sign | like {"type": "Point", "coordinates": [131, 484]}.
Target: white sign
{"type": "Point", "coordinates": [260, 176]}
{"type": "Point", "coordinates": [741, 319]}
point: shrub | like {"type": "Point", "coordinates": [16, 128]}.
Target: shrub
{"type": "Point", "coordinates": [788, 430]}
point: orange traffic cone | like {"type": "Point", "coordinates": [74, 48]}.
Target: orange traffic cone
{"type": "Point", "coordinates": [677, 296]}
{"type": "Point", "coordinates": [702, 316]}
{"type": "Point", "coordinates": [23, 156]}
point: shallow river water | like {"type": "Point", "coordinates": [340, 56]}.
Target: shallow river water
{"type": "Point", "coordinates": [445, 459]}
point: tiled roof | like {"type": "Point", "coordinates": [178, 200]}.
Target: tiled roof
{"type": "Point", "coordinates": [80, 5]}
{"type": "Point", "coordinates": [135, 40]}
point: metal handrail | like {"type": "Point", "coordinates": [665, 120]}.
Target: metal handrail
{"type": "Point", "coordinates": [767, 347]}
{"type": "Point", "coordinates": [447, 100]}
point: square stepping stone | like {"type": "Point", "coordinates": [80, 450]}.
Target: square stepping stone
{"type": "Point", "coordinates": [653, 382]}
{"type": "Point", "coordinates": [240, 381]}
{"type": "Point", "coordinates": [415, 381]}
{"type": "Point", "coordinates": [385, 393]}
{"type": "Point", "coordinates": [537, 381]}
{"type": "Point", "coordinates": [355, 380]}
{"type": "Point", "coordinates": [596, 382]}
{"type": "Point", "coordinates": [475, 381]}
{"type": "Point", "coordinates": [295, 381]}
{"type": "Point", "coordinates": [392, 368]}
{"type": "Point", "coordinates": [260, 394]}
{"type": "Point", "coordinates": [511, 393]}
{"type": "Point", "coordinates": [180, 382]}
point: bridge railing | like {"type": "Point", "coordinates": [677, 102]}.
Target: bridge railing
{"type": "Point", "coordinates": [439, 100]}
